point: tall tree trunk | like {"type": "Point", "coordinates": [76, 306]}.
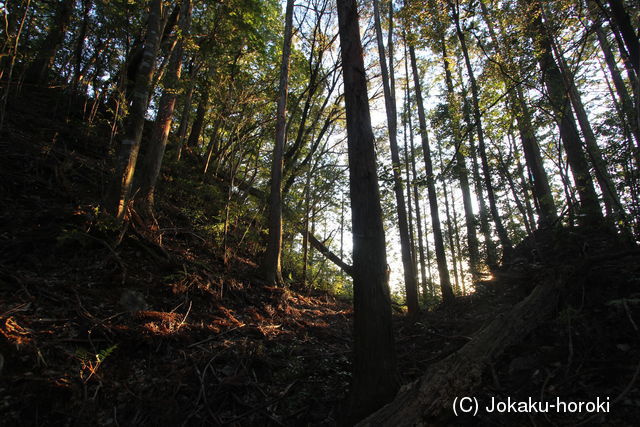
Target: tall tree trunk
{"type": "Point", "coordinates": [414, 186]}
{"type": "Point", "coordinates": [198, 122]}
{"type": "Point", "coordinates": [441, 258]}
{"type": "Point", "coordinates": [507, 247]}
{"type": "Point", "coordinates": [631, 41]}
{"type": "Point", "coordinates": [79, 48]}
{"type": "Point", "coordinates": [128, 153]}
{"type": "Point", "coordinates": [610, 197]}
{"type": "Point", "coordinates": [524, 183]}
{"type": "Point", "coordinates": [561, 106]}
{"type": "Point", "coordinates": [11, 44]}
{"type": "Point", "coordinates": [485, 228]}
{"type": "Point", "coordinates": [541, 188]}
{"type": "Point", "coordinates": [271, 266]}
{"type": "Point", "coordinates": [375, 380]}
{"type": "Point", "coordinates": [450, 233]}
{"type": "Point", "coordinates": [305, 236]}
{"type": "Point", "coordinates": [458, 256]}
{"type": "Point", "coordinates": [411, 287]}
{"type": "Point", "coordinates": [463, 176]}
{"type": "Point", "coordinates": [621, 89]}
{"type": "Point", "coordinates": [184, 118]}
{"type": "Point", "coordinates": [152, 162]}
{"type": "Point", "coordinates": [38, 72]}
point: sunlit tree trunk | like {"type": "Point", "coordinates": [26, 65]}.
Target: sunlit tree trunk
{"type": "Point", "coordinates": [128, 153]}
{"type": "Point", "coordinates": [152, 161]}
{"type": "Point", "coordinates": [271, 264]}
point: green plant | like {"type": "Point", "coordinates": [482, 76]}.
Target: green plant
{"type": "Point", "coordinates": [90, 362]}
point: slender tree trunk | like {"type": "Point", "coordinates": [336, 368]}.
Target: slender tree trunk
{"type": "Point", "coordinates": [514, 190]}
{"type": "Point", "coordinates": [79, 48]}
{"type": "Point", "coordinates": [631, 41]}
{"type": "Point", "coordinates": [198, 122]}
{"type": "Point", "coordinates": [507, 247]}
{"type": "Point", "coordinates": [412, 240]}
{"type": "Point", "coordinates": [450, 236]}
{"type": "Point", "coordinates": [374, 380]}
{"type": "Point", "coordinates": [626, 102]}
{"type": "Point", "coordinates": [541, 188]}
{"type": "Point", "coordinates": [427, 247]}
{"type": "Point", "coordinates": [271, 265]}
{"type": "Point", "coordinates": [463, 176]}
{"type": "Point", "coordinates": [213, 144]}
{"type": "Point", "coordinates": [443, 270]}
{"type": "Point", "coordinates": [184, 119]}
{"type": "Point", "coordinates": [152, 162]}
{"type": "Point", "coordinates": [38, 72]}
{"type": "Point", "coordinates": [524, 183]}
{"type": "Point", "coordinates": [414, 185]}
{"type": "Point", "coordinates": [421, 251]}
{"type": "Point", "coordinates": [485, 228]}
{"type": "Point", "coordinates": [305, 236]}
{"type": "Point", "coordinates": [390, 104]}
{"type": "Point", "coordinates": [128, 154]}
{"type": "Point", "coordinates": [609, 195]}
{"type": "Point", "coordinates": [560, 103]}
{"type": "Point", "coordinates": [13, 49]}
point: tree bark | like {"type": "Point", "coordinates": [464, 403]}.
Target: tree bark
{"type": "Point", "coordinates": [411, 287]}
{"type": "Point", "coordinates": [507, 247]}
{"type": "Point", "coordinates": [414, 186]}
{"type": "Point", "coordinates": [152, 162]}
{"type": "Point", "coordinates": [128, 154]}
{"type": "Point", "coordinates": [38, 72]}
{"type": "Point", "coordinates": [463, 176]}
{"type": "Point", "coordinates": [631, 41]}
{"type": "Point", "coordinates": [441, 257]}
{"type": "Point", "coordinates": [561, 106]}
{"type": "Point", "coordinates": [375, 379]}
{"type": "Point", "coordinates": [623, 94]}
{"type": "Point", "coordinates": [541, 188]}
{"type": "Point", "coordinates": [271, 264]}
{"type": "Point", "coordinates": [485, 228]}
{"type": "Point", "coordinates": [198, 122]}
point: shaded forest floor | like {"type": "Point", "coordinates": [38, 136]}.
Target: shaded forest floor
{"type": "Point", "coordinates": [158, 330]}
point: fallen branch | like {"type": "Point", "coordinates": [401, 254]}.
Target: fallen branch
{"type": "Point", "coordinates": [422, 401]}
{"type": "Point", "coordinates": [317, 244]}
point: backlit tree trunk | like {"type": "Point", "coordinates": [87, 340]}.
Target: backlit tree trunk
{"type": "Point", "coordinates": [390, 104]}
{"type": "Point", "coordinates": [375, 379]}
{"type": "Point", "coordinates": [561, 106]}
{"type": "Point", "coordinates": [38, 72]}
{"type": "Point", "coordinates": [441, 257]}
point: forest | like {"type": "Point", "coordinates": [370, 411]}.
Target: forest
{"type": "Point", "coordinates": [319, 212]}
